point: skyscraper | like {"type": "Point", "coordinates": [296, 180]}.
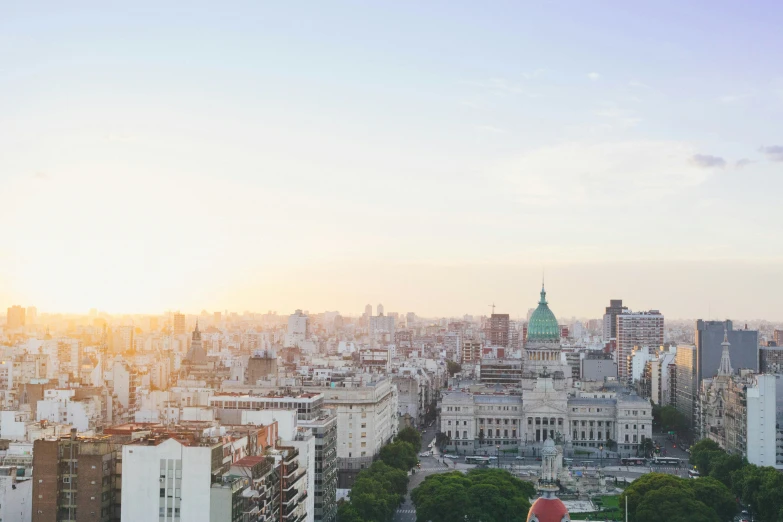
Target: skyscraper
{"type": "Point", "coordinates": [614, 309]}
{"type": "Point", "coordinates": [179, 323]}
{"type": "Point", "coordinates": [380, 309]}
{"type": "Point", "coordinates": [636, 329]}
{"type": "Point", "coordinates": [31, 315]}
{"type": "Point", "coordinates": [497, 331]}
{"type": "Point", "coordinates": [15, 317]}
{"type": "Point", "coordinates": [685, 383]}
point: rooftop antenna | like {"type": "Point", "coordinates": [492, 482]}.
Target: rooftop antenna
{"type": "Point", "coordinates": [493, 308]}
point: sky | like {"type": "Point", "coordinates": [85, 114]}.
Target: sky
{"type": "Point", "coordinates": [435, 157]}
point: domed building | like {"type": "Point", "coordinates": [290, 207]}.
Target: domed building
{"type": "Point", "coordinates": [542, 344]}
{"type": "Point", "coordinates": [547, 507]}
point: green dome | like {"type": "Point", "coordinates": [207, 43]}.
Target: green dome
{"type": "Point", "coordinates": [543, 325]}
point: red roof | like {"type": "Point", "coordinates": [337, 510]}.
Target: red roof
{"type": "Point", "coordinates": [548, 510]}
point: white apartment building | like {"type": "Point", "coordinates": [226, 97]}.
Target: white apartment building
{"type": "Point", "coordinates": [166, 480]}
{"type": "Point", "coordinates": [298, 329]}
{"type": "Point", "coordinates": [60, 406]}
{"type": "Point", "coordinates": [765, 415]}
{"type": "Point", "coordinates": [636, 329]}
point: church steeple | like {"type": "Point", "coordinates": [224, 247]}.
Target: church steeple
{"type": "Point", "coordinates": [725, 358]}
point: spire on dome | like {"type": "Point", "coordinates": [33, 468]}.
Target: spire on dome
{"type": "Point", "coordinates": [725, 358]}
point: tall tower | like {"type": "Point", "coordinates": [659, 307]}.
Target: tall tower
{"type": "Point", "coordinates": [196, 354]}
{"type": "Point", "coordinates": [380, 309]}
{"type": "Point", "coordinates": [725, 358]}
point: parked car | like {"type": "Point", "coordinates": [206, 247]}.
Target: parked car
{"type": "Point", "coordinates": [519, 458]}
{"type": "Point", "coordinates": [447, 456]}
{"type": "Point", "coordinates": [425, 454]}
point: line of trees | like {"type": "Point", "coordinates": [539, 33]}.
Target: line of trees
{"type": "Point", "coordinates": [381, 488]}
{"type": "Point", "coordinates": [724, 480]}
{"type": "Point", "coordinates": [481, 495]}
{"type": "Point", "coordinates": [759, 487]}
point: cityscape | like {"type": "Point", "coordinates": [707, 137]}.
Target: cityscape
{"type": "Point", "coordinates": [391, 262]}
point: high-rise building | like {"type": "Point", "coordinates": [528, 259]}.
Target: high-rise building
{"type": "Point", "coordinates": [298, 329]}
{"type": "Point", "coordinates": [410, 319]}
{"type": "Point", "coordinates": [75, 479]}
{"type": "Point", "coordinates": [777, 336]}
{"type": "Point", "coordinates": [497, 330]}
{"type": "Point", "coordinates": [179, 323]}
{"type": "Point", "coordinates": [744, 348]}
{"type": "Point", "coordinates": [636, 329]}
{"type": "Point", "coordinates": [31, 315]}
{"type": "Point", "coordinates": [686, 383]}
{"type": "Point", "coordinates": [380, 309]}
{"type": "Point", "coordinates": [15, 317]}
{"type": "Point", "coordinates": [771, 359]}
{"type": "Point", "coordinates": [614, 309]}
{"type": "Point", "coordinates": [471, 351]}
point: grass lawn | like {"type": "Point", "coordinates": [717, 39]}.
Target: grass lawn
{"type": "Point", "coordinates": [610, 502]}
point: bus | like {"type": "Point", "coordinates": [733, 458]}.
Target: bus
{"type": "Point", "coordinates": [692, 473]}
{"type": "Point", "coordinates": [473, 459]}
{"type": "Point", "coordinates": [666, 461]}
{"type": "Point", "coordinates": [633, 461]}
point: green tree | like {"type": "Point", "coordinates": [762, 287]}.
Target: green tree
{"type": "Point", "coordinates": [453, 367]}
{"type": "Point", "coordinates": [723, 465]}
{"type": "Point", "coordinates": [702, 454]}
{"type": "Point", "coordinates": [670, 418]}
{"type": "Point", "coordinates": [372, 501]}
{"type": "Point", "coordinates": [672, 504]}
{"type": "Point", "coordinates": [346, 512]}
{"type": "Point", "coordinates": [399, 454]}
{"type": "Point", "coordinates": [647, 447]}
{"type": "Point", "coordinates": [410, 435]}
{"type": "Point", "coordinates": [611, 444]}
{"type": "Point", "coordinates": [645, 484]}
{"type": "Point", "coordinates": [392, 479]}
{"type": "Point", "coordinates": [481, 436]}
{"type": "Point", "coordinates": [483, 495]}
{"type": "Point", "coordinates": [441, 439]}
{"type": "Point", "coordinates": [716, 495]}
{"type": "Point", "coordinates": [760, 487]}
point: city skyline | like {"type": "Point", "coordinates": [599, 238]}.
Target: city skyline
{"type": "Point", "coordinates": [159, 158]}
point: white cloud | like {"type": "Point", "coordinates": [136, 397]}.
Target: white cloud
{"type": "Point", "coordinates": [594, 76]}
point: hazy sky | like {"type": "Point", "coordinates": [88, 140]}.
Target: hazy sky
{"type": "Point", "coordinates": [433, 156]}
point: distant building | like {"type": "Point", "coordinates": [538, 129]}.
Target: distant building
{"type": "Point", "coordinates": [597, 367]}
{"type": "Point", "coordinates": [636, 329]}
{"type": "Point", "coordinates": [744, 347]}
{"type": "Point", "coordinates": [298, 329]}
{"type": "Point", "coordinates": [614, 309]}
{"type": "Point", "coordinates": [686, 382]}
{"type": "Point", "coordinates": [15, 317]}
{"type": "Point", "coordinates": [179, 323]}
{"type": "Point", "coordinates": [31, 316]}
{"type": "Point", "coordinates": [771, 359]}
{"type": "Point", "coordinates": [471, 351]}
{"type": "Point", "coordinates": [501, 371]}
{"type": "Point", "coordinates": [497, 330]}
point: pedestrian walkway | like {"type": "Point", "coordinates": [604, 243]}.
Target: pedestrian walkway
{"type": "Point", "coordinates": [406, 511]}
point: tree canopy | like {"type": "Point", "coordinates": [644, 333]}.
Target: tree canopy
{"type": "Point", "coordinates": [670, 418]}
{"type": "Point", "coordinates": [410, 435]}
{"type": "Point", "coordinates": [481, 495]}
{"type": "Point", "coordinates": [657, 496]}
{"type": "Point", "coordinates": [399, 454]}
{"type": "Point", "coordinates": [453, 367]}
{"type": "Point", "coordinates": [375, 495]}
